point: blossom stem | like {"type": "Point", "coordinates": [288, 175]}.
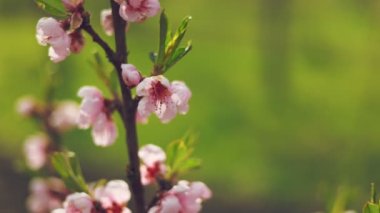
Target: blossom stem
{"type": "Point", "coordinates": [86, 26]}
{"type": "Point", "coordinates": [129, 111]}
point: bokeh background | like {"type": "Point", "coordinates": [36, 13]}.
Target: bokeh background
{"type": "Point", "coordinates": [286, 99]}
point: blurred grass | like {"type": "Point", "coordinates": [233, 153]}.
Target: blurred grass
{"type": "Point", "coordinates": [285, 96]}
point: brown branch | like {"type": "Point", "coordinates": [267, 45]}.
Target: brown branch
{"type": "Point", "coordinates": [86, 26]}
{"type": "Point", "coordinates": [129, 112]}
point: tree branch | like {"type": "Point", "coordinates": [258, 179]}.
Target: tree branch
{"type": "Point", "coordinates": [129, 111]}
{"type": "Point", "coordinates": [86, 26]}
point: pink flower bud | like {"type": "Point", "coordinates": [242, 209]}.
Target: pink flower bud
{"type": "Point", "coordinates": [26, 106]}
{"type": "Point", "coordinates": [130, 74]}
{"type": "Point", "coordinates": [64, 116]}
{"type": "Point", "coordinates": [162, 98]}
{"type": "Point", "coordinates": [107, 21]}
{"type": "Point", "coordinates": [35, 150]}
{"type": "Point", "coordinates": [104, 131]}
{"type": "Point", "coordinates": [72, 5]}
{"type": "Point", "coordinates": [138, 10]}
{"type": "Point", "coordinates": [115, 192]}
{"type": "Point", "coordinates": [91, 106]}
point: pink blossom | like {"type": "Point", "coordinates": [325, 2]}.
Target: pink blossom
{"type": "Point", "coordinates": [104, 131]}
{"type": "Point", "coordinates": [162, 98]}
{"type": "Point", "coordinates": [35, 150]}
{"type": "Point", "coordinates": [92, 105]}
{"type": "Point", "coordinates": [153, 158]}
{"type": "Point", "coordinates": [72, 5]}
{"type": "Point", "coordinates": [138, 10]}
{"type": "Point", "coordinates": [50, 31]}
{"type": "Point", "coordinates": [45, 194]}
{"type": "Point", "coordinates": [78, 202]}
{"type": "Point", "coordinates": [184, 197]}
{"type": "Point", "coordinates": [64, 116]}
{"type": "Point", "coordinates": [93, 113]}
{"type": "Point", "coordinates": [115, 194]}
{"type": "Point", "coordinates": [150, 154]}
{"type": "Point", "coordinates": [26, 106]}
{"type": "Point", "coordinates": [107, 21]}
{"type": "Point", "coordinates": [130, 74]}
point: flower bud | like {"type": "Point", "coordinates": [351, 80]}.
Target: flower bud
{"type": "Point", "coordinates": [26, 106]}
{"type": "Point", "coordinates": [36, 151]}
{"type": "Point", "coordinates": [107, 21]}
{"type": "Point", "coordinates": [130, 74]}
{"type": "Point", "coordinates": [72, 5]}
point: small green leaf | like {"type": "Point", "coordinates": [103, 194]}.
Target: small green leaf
{"type": "Point", "coordinates": [53, 7]}
{"type": "Point", "coordinates": [67, 166]}
{"type": "Point", "coordinates": [190, 164]}
{"type": "Point", "coordinates": [178, 55]}
{"type": "Point", "coordinates": [179, 160]}
{"type": "Point", "coordinates": [180, 33]}
{"type": "Point", "coordinates": [163, 37]}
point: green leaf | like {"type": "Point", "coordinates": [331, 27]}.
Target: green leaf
{"type": "Point", "coordinates": [163, 37]}
{"type": "Point", "coordinates": [371, 208]}
{"type": "Point", "coordinates": [179, 158]}
{"type": "Point", "coordinates": [178, 55]}
{"type": "Point", "coordinates": [67, 166]}
{"type": "Point", "coordinates": [190, 164]}
{"type": "Point", "coordinates": [52, 7]}
{"type": "Point", "coordinates": [180, 33]}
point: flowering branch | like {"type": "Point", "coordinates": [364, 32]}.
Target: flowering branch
{"type": "Point", "coordinates": [154, 94]}
{"type": "Point", "coordinates": [128, 112]}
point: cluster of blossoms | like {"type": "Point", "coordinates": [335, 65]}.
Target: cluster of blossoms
{"type": "Point", "coordinates": [154, 94]}
{"type": "Point", "coordinates": [158, 96]}
{"type": "Point", "coordinates": [113, 198]}
{"type": "Point", "coordinates": [46, 194]}
{"type": "Point", "coordinates": [64, 37]}
{"type": "Point", "coordinates": [184, 197]}
{"type": "Point", "coordinates": [60, 118]}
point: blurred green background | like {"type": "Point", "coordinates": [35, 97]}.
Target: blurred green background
{"type": "Point", "coordinates": [286, 99]}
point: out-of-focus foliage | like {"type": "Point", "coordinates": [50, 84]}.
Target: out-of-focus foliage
{"type": "Point", "coordinates": [286, 98]}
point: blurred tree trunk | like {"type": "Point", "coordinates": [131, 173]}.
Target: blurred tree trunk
{"type": "Point", "coordinates": [274, 27]}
